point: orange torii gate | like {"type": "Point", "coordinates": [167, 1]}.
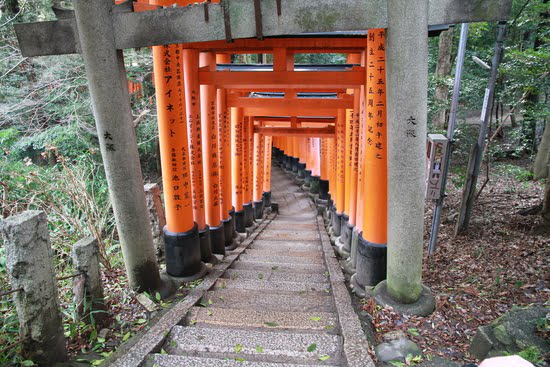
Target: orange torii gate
{"type": "Point", "coordinates": [100, 31]}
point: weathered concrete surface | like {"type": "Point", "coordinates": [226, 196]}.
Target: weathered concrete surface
{"type": "Point", "coordinates": [407, 93]}
{"type": "Point", "coordinates": [182, 25]}
{"type": "Point", "coordinates": [85, 254]}
{"type": "Point", "coordinates": [29, 264]}
{"type": "Point", "coordinates": [157, 219]}
{"type": "Point", "coordinates": [117, 140]}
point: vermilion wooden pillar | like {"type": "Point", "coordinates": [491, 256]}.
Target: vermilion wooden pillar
{"type": "Point", "coordinates": [258, 170]}
{"type": "Point", "coordinates": [371, 247]}
{"type": "Point", "coordinates": [268, 144]}
{"type": "Point", "coordinates": [193, 111]}
{"type": "Point", "coordinates": [236, 167]}
{"type": "Point", "coordinates": [227, 210]}
{"type": "Point", "coordinates": [247, 171]}
{"type": "Point", "coordinates": [181, 236]}
{"type": "Point", "coordinates": [211, 161]}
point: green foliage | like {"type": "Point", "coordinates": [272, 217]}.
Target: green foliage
{"type": "Point", "coordinates": [518, 172]}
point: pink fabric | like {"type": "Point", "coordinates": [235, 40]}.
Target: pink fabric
{"type": "Point", "coordinates": [511, 361]}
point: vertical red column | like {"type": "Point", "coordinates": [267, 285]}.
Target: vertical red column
{"type": "Point", "coordinates": [211, 159]}
{"type": "Point", "coordinates": [372, 215]}
{"type": "Point", "coordinates": [258, 170]}
{"type": "Point", "coordinates": [237, 166]}
{"type": "Point", "coordinates": [268, 144]}
{"type": "Point", "coordinates": [227, 210]}
{"type": "Point", "coordinates": [193, 111]}
{"type": "Point", "coordinates": [182, 245]}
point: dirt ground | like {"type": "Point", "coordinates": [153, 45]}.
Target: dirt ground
{"type": "Point", "coordinates": [478, 276]}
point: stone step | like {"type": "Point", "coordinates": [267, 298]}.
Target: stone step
{"type": "Point", "coordinates": [289, 234]}
{"type": "Point", "coordinates": [280, 259]}
{"type": "Point", "coordinates": [253, 345]}
{"type": "Point", "coordinates": [285, 245]}
{"type": "Point", "coordinates": [294, 226]}
{"type": "Point", "coordinates": [274, 275]}
{"type": "Point", "coordinates": [266, 266]}
{"type": "Point", "coordinates": [165, 360]}
{"type": "Point", "coordinates": [266, 320]}
{"type": "Point", "coordinates": [293, 253]}
{"type": "Point", "coordinates": [270, 285]}
{"type": "Point", "coordinates": [273, 300]}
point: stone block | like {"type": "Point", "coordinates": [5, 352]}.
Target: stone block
{"type": "Point", "coordinates": [157, 218]}
{"type": "Point", "coordinates": [29, 264]}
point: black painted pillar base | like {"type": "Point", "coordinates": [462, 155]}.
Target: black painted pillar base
{"type": "Point", "coordinates": [288, 163]}
{"type": "Point", "coordinates": [206, 247]}
{"type": "Point", "coordinates": [240, 226]}
{"type": "Point", "coordinates": [183, 254]}
{"type": "Point", "coordinates": [217, 239]}
{"type": "Point", "coordinates": [229, 233]}
{"type": "Point", "coordinates": [301, 170]}
{"type": "Point", "coordinates": [295, 163]}
{"type": "Point", "coordinates": [248, 214]}
{"type": "Point", "coordinates": [259, 209]}
{"type": "Point", "coordinates": [346, 230]}
{"type": "Point", "coordinates": [267, 199]}
{"type": "Point", "coordinates": [336, 222]}
{"type": "Point", "coordinates": [232, 214]}
{"type": "Point", "coordinates": [314, 185]}
{"type": "Point", "coordinates": [371, 264]}
{"type": "Point", "coordinates": [307, 177]}
{"type": "Point", "coordinates": [323, 189]}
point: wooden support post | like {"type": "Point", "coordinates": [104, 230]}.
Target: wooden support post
{"type": "Point", "coordinates": [193, 114]}
{"type": "Point", "coordinates": [268, 145]}
{"type": "Point", "coordinates": [237, 142]}
{"type": "Point", "coordinates": [371, 250]}
{"type": "Point", "coordinates": [211, 161]}
{"type": "Point", "coordinates": [115, 129]}
{"type": "Point", "coordinates": [258, 170]}
{"type": "Point", "coordinates": [181, 236]}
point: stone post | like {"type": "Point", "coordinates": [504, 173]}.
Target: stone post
{"type": "Point", "coordinates": [157, 218]}
{"type": "Point", "coordinates": [407, 85]}
{"type": "Point", "coordinates": [88, 288]}
{"type": "Point", "coordinates": [114, 123]}
{"type": "Point", "coordinates": [29, 266]}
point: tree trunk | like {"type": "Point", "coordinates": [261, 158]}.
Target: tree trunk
{"type": "Point", "coordinates": [442, 71]}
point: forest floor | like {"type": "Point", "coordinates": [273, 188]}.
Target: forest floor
{"type": "Point", "coordinates": [478, 276]}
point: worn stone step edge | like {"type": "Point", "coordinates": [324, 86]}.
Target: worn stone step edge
{"type": "Point", "coordinates": [270, 285]}
{"type": "Point", "coordinates": [272, 300]}
{"type": "Point", "coordinates": [280, 259]}
{"type": "Point", "coordinates": [274, 320]}
{"type": "Point", "coordinates": [253, 345]}
{"type": "Point", "coordinates": [294, 268]}
{"type": "Point", "coordinates": [284, 253]}
{"type": "Point", "coordinates": [164, 360]}
{"type": "Point", "coordinates": [275, 275]}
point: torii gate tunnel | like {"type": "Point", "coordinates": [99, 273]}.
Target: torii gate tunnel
{"type": "Point", "coordinates": [355, 133]}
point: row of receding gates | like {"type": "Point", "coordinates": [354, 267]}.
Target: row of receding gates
{"type": "Point", "coordinates": [219, 123]}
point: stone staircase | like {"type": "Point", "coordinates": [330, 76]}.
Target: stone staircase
{"type": "Point", "coordinates": [279, 302]}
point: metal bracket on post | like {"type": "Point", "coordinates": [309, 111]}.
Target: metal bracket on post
{"type": "Point", "coordinates": [226, 20]}
{"type": "Point", "coordinates": [258, 18]}
{"type": "Point", "coordinates": [206, 15]}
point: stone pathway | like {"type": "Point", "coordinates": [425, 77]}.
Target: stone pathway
{"type": "Point", "coordinates": [277, 300]}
